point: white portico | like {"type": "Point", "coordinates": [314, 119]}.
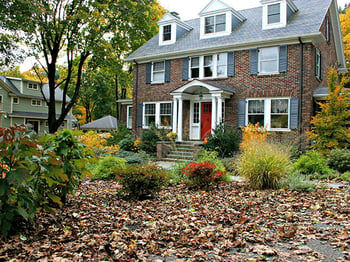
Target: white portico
{"type": "Point", "coordinates": [206, 110]}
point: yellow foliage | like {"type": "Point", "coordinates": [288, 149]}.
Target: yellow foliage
{"type": "Point", "coordinates": [92, 140]}
{"type": "Point", "coordinates": [253, 133]}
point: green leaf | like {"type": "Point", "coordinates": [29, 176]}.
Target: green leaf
{"type": "Point", "coordinates": [23, 213]}
{"type": "Point", "coordinates": [55, 199]}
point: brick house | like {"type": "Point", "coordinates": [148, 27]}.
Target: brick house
{"type": "Point", "coordinates": [21, 102]}
{"type": "Point", "coordinates": [267, 64]}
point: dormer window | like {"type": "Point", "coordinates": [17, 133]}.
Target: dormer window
{"type": "Point", "coordinates": [166, 32]}
{"type": "Point", "coordinates": [274, 13]}
{"type": "Point", "coordinates": [216, 23]}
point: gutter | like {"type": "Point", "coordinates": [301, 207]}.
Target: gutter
{"type": "Point", "coordinates": [301, 90]}
{"type": "Point", "coordinates": [136, 92]}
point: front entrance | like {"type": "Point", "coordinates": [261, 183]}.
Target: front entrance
{"type": "Point", "coordinates": [34, 125]}
{"type": "Point", "coordinates": [206, 120]}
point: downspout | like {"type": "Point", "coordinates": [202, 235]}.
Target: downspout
{"type": "Point", "coordinates": [136, 91]}
{"type": "Point", "coordinates": [301, 90]}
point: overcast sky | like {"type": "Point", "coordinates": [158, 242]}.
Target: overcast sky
{"type": "Point", "coordinates": [189, 9]}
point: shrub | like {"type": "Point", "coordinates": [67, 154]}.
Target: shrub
{"type": "Point", "coordinates": [253, 134]}
{"type": "Point", "coordinates": [224, 141]}
{"type": "Point", "coordinates": [299, 182]}
{"type": "Point", "coordinates": [345, 176]}
{"type": "Point", "coordinates": [203, 174]}
{"type": "Point", "coordinates": [265, 165]}
{"type": "Point", "coordinates": [107, 166]}
{"type": "Point", "coordinates": [312, 162]}
{"type": "Point", "coordinates": [176, 175]}
{"type": "Point", "coordinates": [212, 157]}
{"type": "Point", "coordinates": [127, 144]}
{"type": "Point", "coordinates": [150, 137]}
{"type": "Point", "coordinates": [140, 182]}
{"type": "Point", "coordinates": [118, 135]}
{"type": "Point", "coordinates": [339, 159]}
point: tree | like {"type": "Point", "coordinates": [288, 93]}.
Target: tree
{"type": "Point", "coordinates": [344, 17]}
{"type": "Point", "coordinates": [77, 29]}
{"type": "Point", "coordinates": [13, 71]}
{"type": "Point", "coordinates": [330, 127]}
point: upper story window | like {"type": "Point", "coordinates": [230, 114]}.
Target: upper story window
{"type": "Point", "coordinates": [15, 100]}
{"type": "Point", "coordinates": [33, 86]}
{"type": "Point", "coordinates": [274, 13]}
{"type": "Point", "coordinates": [36, 102]}
{"type": "Point", "coordinates": [328, 30]}
{"type": "Point", "coordinates": [268, 60]}
{"type": "Point", "coordinates": [216, 23]}
{"type": "Point", "coordinates": [1, 101]}
{"type": "Point", "coordinates": [166, 32]}
{"type": "Point", "coordinates": [318, 64]}
{"type": "Point", "coordinates": [158, 72]}
{"type": "Point", "coordinates": [208, 66]}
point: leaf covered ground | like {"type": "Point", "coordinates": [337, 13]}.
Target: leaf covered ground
{"type": "Point", "coordinates": [228, 223]}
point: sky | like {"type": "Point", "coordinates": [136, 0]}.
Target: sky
{"type": "Point", "coordinates": [189, 9]}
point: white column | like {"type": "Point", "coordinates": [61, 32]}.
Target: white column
{"type": "Point", "coordinates": [213, 113]}
{"type": "Point", "coordinates": [179, 123]}
{"type": "Point", "coordinates": [219, 118]}
{"type": "Point", "coordinates": [175, 115]}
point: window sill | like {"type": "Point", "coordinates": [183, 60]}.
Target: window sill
{"type": "Point", "coordinates": [157, 83]}
{"type": "Point", "coordinates": [279, 130]}
{"type": "Point", "coordinates": [269, 74]}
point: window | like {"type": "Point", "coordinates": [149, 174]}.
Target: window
{"type": "Point", "coordinates": [150, 114]}
{"type": "Point", "coordinates": [208, 66]}
{"type": "Point", "coordinates": [158, 72]}
{"type": "Point", "coordinates": [159, 113]}
{"type": "Point", "coordinates": [268, 60]}
{"type": "Point", "coordinates": [328, 30]}
{"type": "Point", "coordinates": [194, 67]}
{"type": "Point", "coordinates": [165, 114]}
{"type": "Point", "coordinates": [222, 64]}
{"type": "Point", "coordinates": [274, 12]}
{"type": "Point", "coordinates": [318, 64]}
{"type": "Point", "coordinates": [15, 100]}
{"type": "Point", "coordinates": [129, 117]}
{"type": "Point", "coordinates": [166, 32]}
{"type": "Point", "coordinates": [270, 112]}
{"type": "Point", "coordinates": [1, 99]}
{"type": "Point", "coordinates": [196, 113]}
{"type": "Point", "coordinates": [33, 86]}
{"type": "Point", "coordinates": [36, 102]}
{"type": "Point", "coordinates": [215, 24]}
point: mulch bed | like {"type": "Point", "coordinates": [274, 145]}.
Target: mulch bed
{"type": "Point", "coordinates": [228, 223]}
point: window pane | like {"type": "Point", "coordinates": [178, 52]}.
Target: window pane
{"type": "Point", "coordinates": [158, 66]}
{"type": "Point", "coordinates": [279, 106]}
{"type": "Point", "coordinates": [194, 72]}
{"type": "Point", "coordinates": [274, 19]}
{"type": "Point", "coordinates": [208, 72]}
{"type": "Point", "coordinates": [268, 67]}
{"type": "Point", "coordinates": [165, 109]}
{"type": "Point", "coordinates": [150, 109]}
{"type": "Point", "coordinates": [196, 113]}
{"type": "Point", "coordinates": [220, 27]}
{"type": "Point", "coordinates": [150, 120]}
{"type": "Point", "coordinates": [268, 53]}
{"type": "Point", "coordinates": [208, 60]}
{"type": "Point", "coordinates": [195, 62]}
{"type": "Point", "coordinates": [167, 33]}
{"type": "Point", "coordinates": [165, 120]}
{"type": "Point", "coordinates": [158, 77]}
{"type": "Point", "coordinates": [279, 121]}
{"type": "Point", "coordinates": [274, 9]}
{"type": "Point", "coordinates": [222, 70]}
{"type": "Point", "coordinates": [256, 106]}
{"type": "Point", "coordinates": [221, 19]}
{"type": "Point", "coordinates": [222, 59]}
{"type": "Point", "coordinates": [209, 24]}
{"type": "Point", "coordinates": [254, 119]}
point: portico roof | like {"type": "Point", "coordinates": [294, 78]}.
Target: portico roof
{"type": "Point", "coordinates": [196, 87]}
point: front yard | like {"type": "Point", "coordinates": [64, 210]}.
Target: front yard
{"type": "Point", "coordinates": [228, 223]}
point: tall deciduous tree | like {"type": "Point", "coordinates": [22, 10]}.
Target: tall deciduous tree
{"type": "Point", "coordinates": [330, 127]}
{"type": "Point", "coordinates": [344, 17]}
{"type": "Point", "coordinates": [76, 29]}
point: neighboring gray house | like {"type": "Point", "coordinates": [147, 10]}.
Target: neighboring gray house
{"type": "Point", "coordinates": [21, 102]}
{"type": "Point", "coordinates": [106, 123]}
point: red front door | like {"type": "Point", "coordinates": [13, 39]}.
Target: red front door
{"type": "Point", "coordinates": [206, 120]}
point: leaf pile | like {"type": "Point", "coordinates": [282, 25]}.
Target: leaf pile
{"type": "Point", "coordinates": [228, 223]}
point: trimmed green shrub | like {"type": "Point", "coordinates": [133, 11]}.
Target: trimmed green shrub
{"type": "Point", "coordinates": [265, 165]}
{"type": "Point", "coordinates": [312, 162]}
{"type": "Point", "coordinates": [339, 159]}
{"type": "Point", "coordinates": [150, 137]}
{"type": "Point", "coordinates": [212, 157]}
{"type": "Point", "coordinates": [203, 174]}
{"type": "Point", "coordinates": [223, 140]}
{"type": "Point", "coordinates": [140, 182]}
{"type": "Point", "coordinates": [299, 182]}
{"type": "Point", "coordinates": [127, 144]}
{"type": "Point", "coordinates": [107, 166]}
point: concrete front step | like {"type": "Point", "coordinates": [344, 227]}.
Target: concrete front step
{"type": "Point", "coordinates": [183, 152]}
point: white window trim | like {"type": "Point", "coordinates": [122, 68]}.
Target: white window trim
{"type": "Point", "coordinates": [152, 71]}
{"type": "Point", "coordinates": [36, 102]}
{"type": "Point", "coordinates": [13, 102]}
{"type": "Point", "coordinates": [318, 63]}
{"type": "Point", "coordinates": [201, 67]}
{"type": "Point", "coordinates": [173, 34]}
{"type": "Point", "coordinates": [33, 84]}
{"type": "Point", "coordinates": [157, 114]}
{"type": "Point", "coordinates": [259, 61]}
{"type": "Point", "coordinates": [283, 15]}
{"type": "Point", "coordinates": [228, 27]}
{"type": "Point", "coordinates": [128, 122]}
{"type": "Point", "coordinates": [267, 113]}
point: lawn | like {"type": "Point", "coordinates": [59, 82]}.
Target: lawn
{"type": "Point", "coordinates": [228, 223]}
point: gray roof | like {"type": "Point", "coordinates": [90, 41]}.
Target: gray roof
{"type": "Point", "coordinates": [220, 86]}
{"type": "Point", "coordinates": [104, 123]}
{"type": "Point", "coordinates": [307, 21]}
{"type": "Point", "coordinates": [321, 91]}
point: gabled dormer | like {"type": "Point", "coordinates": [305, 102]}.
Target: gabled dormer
{"type": "Point", "coordinates": [171, 28]}
{"type": "Point", "coordinates": [218, 19]}
{"type": "Point", "coordinates": [276, 13]}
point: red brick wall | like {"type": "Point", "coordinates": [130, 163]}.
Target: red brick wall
{"type": "Point", "coordinates": [251, 86]}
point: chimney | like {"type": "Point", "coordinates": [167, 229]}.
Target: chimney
{"type": "Point", "coordinates": [176, 15]}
